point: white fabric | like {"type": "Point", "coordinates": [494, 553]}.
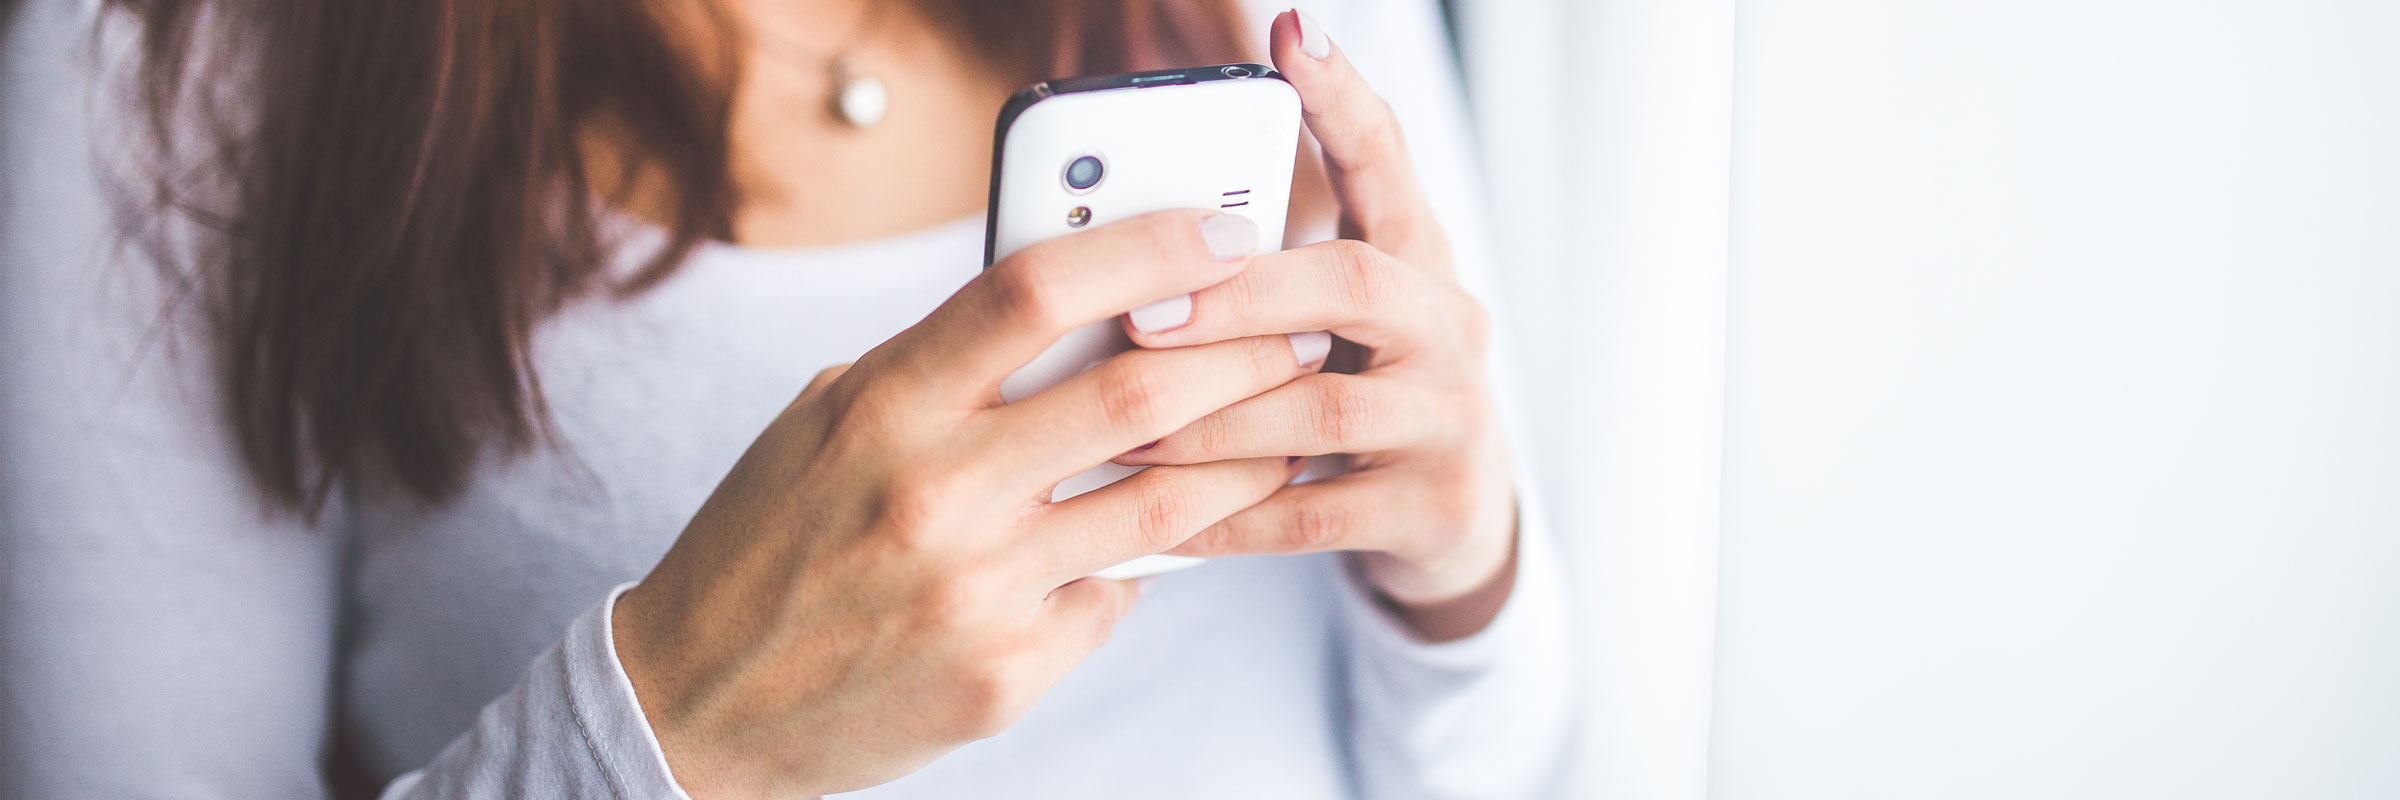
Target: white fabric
{"type": "Point", "coordinates": [1606, 125]}
{"type": "Point", "coordinates": [2049, 347]}
{"type": "Point", "coordinates": [160, 635]}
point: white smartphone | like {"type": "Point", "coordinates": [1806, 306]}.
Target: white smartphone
{"type": "Point", "coordinates": [1077, 152]}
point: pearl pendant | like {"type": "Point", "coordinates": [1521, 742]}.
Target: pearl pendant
{"type": "Point", "coordinates": [858, 99]}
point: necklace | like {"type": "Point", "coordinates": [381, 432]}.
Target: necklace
{"type": "Point", "coordinates": [858, 98]}
{"type": "Point", "coordinates": [852, 95]}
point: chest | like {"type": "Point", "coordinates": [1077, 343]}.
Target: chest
{"type": "Point", "coordinates": [651, 401]}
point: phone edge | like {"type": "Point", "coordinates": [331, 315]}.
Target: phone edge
{"type": "Point", "coordinates": [1043, 90]}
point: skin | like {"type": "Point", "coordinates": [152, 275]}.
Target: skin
{"type": "Point", "coordinates": [880, 579]}
{"type": "Point", "coordinates": [806, 179]}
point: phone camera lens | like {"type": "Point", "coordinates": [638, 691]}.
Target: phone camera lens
{"type": "Point", "coordinates": [1238, 71]}
{"type": "Point", "coordinates": [1084, 172]}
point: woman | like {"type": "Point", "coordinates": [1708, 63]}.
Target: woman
{"type": "Point", "coordinates": [348, 520]}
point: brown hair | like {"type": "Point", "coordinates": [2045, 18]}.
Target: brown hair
{"type": "Point", "coordinates": [403, 199]}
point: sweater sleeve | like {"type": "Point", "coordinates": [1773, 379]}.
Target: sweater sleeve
{"type": "Point", "coordinates": [571, 727]}
{"type": "Point", "coordinates": [1486, 716]}
{"type": "Point", "coordinates": [164, 632]}
{"type": "Point", "coordinates": [159, 634]}
{"type": "Point", "coordinates": [1490, 715]}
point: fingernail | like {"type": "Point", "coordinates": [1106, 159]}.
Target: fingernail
{"type": "Point", "coordinates": [1313, 40]}
{"type": "Point", "coordinates": [1164, 315]}
{"type": "Point", "coordinates": [1229, 236]}
{"type": "Point", "coordinates": [1311, 347]}
{"type": "Point", "coordinates": [1153, 443]}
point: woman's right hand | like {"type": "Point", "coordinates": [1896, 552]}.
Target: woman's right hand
{"type": "Point", "coordinates": [881, 578]}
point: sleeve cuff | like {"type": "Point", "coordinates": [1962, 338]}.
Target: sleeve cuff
{"type": "Point", "coordinates": [606, 711]}
{"type": "Point", "coordinates": [1487, 715]}
{"type": "Point", "coordinates": [1374, 626]}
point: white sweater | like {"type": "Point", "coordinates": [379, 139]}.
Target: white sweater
{"type": "Point", "coordinates": [162, 635]}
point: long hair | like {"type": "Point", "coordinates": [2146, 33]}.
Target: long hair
{"type": "Point", "coordinates": [400, 198]}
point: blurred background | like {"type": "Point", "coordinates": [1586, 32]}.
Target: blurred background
{"type": "Point", "coordinates": [1974, 399]}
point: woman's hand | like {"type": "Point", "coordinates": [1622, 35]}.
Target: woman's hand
{"type": "Point", "coordinates": [881, 578]}
{"type": "Point", "coordinates": [1428, 504]}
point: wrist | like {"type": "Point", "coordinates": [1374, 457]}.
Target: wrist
{"type": "Point", "coordinates": [639, 628]}
{"type": "Point", "coordinates": [1451, 616]}
{"type": "Point", "coordinates": [1446, 598]}
{"type": "Point", "coordinates": [1468, 539]}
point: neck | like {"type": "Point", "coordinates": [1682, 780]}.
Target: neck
{"type": "Point", "coordinates": [803, 175]}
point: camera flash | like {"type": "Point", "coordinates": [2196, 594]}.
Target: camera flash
{"type": "Point", "coordinates": [1079, 216]}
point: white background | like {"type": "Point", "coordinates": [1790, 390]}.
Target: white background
{"type": "Point", "coordinates": [2052, 352]}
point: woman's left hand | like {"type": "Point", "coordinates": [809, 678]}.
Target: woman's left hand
{"type": "Point", "coordinates": [1428, 507]}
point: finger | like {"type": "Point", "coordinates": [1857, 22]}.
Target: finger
{"type": "Point", "coordinates": [1132, 399]}
{"type": "Point", "coordinates": [1013, 310]}
{"type": "Point", "coordinates": [1314, 415]}
{"type": "Point", "coordinates": [1355, 511]}
{"type": "Point", "coordinates": [825, 378]}
{"type": "Point", "coordinates": [1149, 512]}
{"type": "Point", "coordinates": [1345, 286]}
{"type": "Point", "coordinates": [1080, 616]}
{"type": "Point", "coordinates": [1365, 154]}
